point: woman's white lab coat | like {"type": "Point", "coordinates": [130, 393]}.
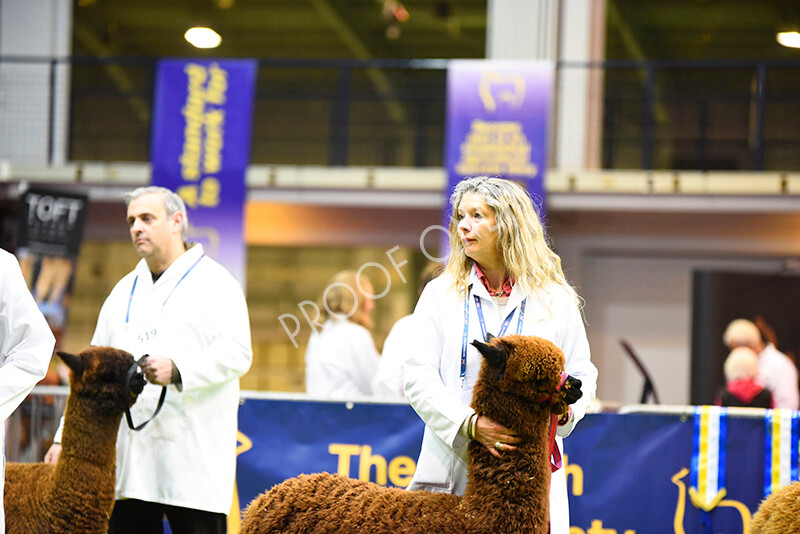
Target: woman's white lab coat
{"type": "Point", "coordinates": [433, 385]}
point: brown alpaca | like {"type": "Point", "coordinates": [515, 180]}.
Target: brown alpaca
{"type": "Point", "coordinates": [77, 494]}
{"type": "Point", "coordinates": [519, 388]}
{"type": "Point", "coordinates": [779, 513]}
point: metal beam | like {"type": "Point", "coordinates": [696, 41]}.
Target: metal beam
{"type": "Point", "coordinates": [141, 108]}
{"type": "Point", "coordinates": [378, 78]}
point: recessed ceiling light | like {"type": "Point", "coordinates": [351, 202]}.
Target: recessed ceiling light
{"type": "Point", "coordinates": [789, 39]}
{"type": "Point", "coordinates": [201, 37]}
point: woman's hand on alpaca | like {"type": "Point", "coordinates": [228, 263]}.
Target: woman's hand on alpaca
{"type": "Point", "coordinates": [52, 454]}
{"type": "Point", "coordinates": [494, 436]}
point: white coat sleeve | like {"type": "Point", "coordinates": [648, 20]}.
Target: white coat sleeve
{"type": "Point", "coordinates": [388, 381]}
{"type": "Point", "coordinates": [366, 359]}
{"type": "Point", "coordinates": [229, 353]}
{"type": "Point", "coordinates": [785, 393]}
{"type": "Point", "coordinates": [25, 338]}
{"type": "Point", "coordinates": [578, 363]}
{"type": "Point", "coordinates": [436, 404]}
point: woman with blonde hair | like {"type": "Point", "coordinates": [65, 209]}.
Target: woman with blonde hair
{"type": "Point", "coordinates": [341, 358]}
{"type": "Point", "coordinates": [501, 278]}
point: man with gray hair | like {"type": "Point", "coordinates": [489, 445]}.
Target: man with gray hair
{"type": "Point", "coordinates": [776, 371]}
{"type": "Point", "coordinates": [189, 315]}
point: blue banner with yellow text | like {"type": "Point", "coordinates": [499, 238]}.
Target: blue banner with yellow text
{"type": "Point", "coordinates": [497, 117]}
{"type": "Point", "coordinates": [626, 474]}
{"type": "Point", "coordinates": [377, 442]}
{"type": "Point", "coordinates": [201, 148]}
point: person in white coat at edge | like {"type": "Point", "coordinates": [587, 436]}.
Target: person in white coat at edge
{"type": "Point", "coordinates": [388, 380]}
{"type": "Point", "coordinates": [189, 315]}
{"type": "Point", "coordinates": [26, 346]}
{"type": "Point", "coordinates": [501, 278]}
{"type": "Point", "coordinates": [341, 358]}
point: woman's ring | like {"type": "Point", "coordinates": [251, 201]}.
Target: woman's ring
{"type": "Point", "coordinates": [498, 445]}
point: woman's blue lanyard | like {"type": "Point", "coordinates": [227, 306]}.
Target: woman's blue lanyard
{"type": "Point", "coordinates": [503, 328]}
{"type": "Point", "coordinates": [133, 288]}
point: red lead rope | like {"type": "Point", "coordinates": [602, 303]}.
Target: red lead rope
{"type": "Point", "coordinates": [555, 454]}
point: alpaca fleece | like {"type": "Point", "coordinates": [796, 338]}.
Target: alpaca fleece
{"type": "Point", "coordinates": [518, 387]}
{"type": "Point", "coordinates": [76, 494]}
{"type": "Point", "coordinates": [779, 513]}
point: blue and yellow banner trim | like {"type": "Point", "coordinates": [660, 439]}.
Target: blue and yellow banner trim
{"type": "Point", "coordinates": [708, 457]}
{"type": "Point", "coordinates": [781, 449]}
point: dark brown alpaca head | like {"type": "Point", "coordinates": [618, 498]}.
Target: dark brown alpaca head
{"type": "Point", "coordinates": [519, 373]}
{"type": "Point", "coordinates": [98, 373]}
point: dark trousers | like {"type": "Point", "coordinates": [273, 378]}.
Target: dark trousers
{"type": "Point", "coordinates": [132, 516]}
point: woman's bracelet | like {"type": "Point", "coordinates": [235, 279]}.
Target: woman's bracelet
{"type": "Point", "coordinates": [471, 424]}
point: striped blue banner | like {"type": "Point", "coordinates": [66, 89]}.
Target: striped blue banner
{"type": "Point", "coordinates": [709, 456]}
{"type": "Point", "coordinates": [782, 434]}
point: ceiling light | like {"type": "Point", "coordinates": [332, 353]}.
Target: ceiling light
{"type": "Point", "coordinates": [201, 37]}
{"type": "Point", "coordinates": [789, 39]}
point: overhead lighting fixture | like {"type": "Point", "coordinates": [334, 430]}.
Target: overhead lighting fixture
{"type": "Point", "coordinates": [789, 39]}
{"type": "Point", "coordinates": [201, 37]}
{"type": "Point", "coordinates": [394, 13]}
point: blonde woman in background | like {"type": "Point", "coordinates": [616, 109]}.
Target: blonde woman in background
{"type": "Point", "coordinates": [341, 358]}
{"type": "Point", "coordinates": [501, 278]}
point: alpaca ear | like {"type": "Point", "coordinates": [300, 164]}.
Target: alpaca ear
{"type": "Point", "coordinates": [495, 355]}
{"type": "Point", "coordinates": [572, 389]}
{"type": "Point", "coordinates": [73, 362]}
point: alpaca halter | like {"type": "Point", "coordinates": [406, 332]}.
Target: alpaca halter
{"type": "Point", "coordinates": [560, 385]}
{"type": "Point", "coordinates": [127, 393]}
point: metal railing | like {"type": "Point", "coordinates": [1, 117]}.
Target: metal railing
{"type": "Point", "coordinates": [30, 429]}
{"type": "Point", "coordinates": [682, 115]}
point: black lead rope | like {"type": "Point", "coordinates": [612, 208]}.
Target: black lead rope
{"type": "Point", "coordinates": [127, 392]}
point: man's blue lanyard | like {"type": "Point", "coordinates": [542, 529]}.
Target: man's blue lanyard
{"type": "Point", "coordinates": [503, 328]}
{"type": "Point", "coordinates": [133, 288]}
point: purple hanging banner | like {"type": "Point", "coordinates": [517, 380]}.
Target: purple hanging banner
{"type": "Point", "coordinates": [497, 114]}
{"type": "Point", "coordinates": [201, 148]}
